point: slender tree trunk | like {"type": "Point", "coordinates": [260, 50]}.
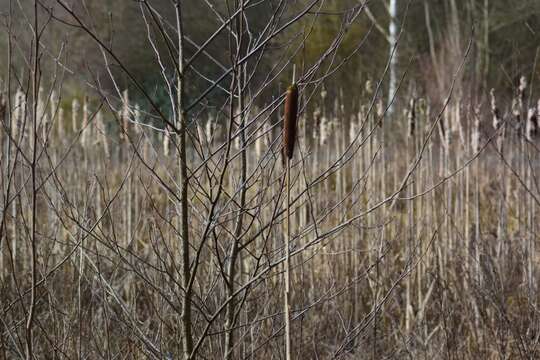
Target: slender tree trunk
{"type": "Point", "coordinates": [187, 325]}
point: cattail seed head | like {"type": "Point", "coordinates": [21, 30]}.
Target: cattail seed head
{"type": "Point", "coordinates": [166, 143]}
{"type": "Point", "coordinates": [19, 113]}
{"type": "Point", "coordinates": [380, 108]}
{"type": "Point", "coordinates": [209, 129]}
{"type": "Point", "coordinates": [532, 124]}
{"type": "Point", "coordinates": [495, 110]}
{"type": "Point", "coordinates": [369, 87]}
{"type": "Point", "coordinates": [124, 115]}
{"type": "Point", "coordinates": [475, 136]}
{"type": "Point", "coordinates": [289, 123]}
{"type": "Point", "coordinates": [324, 93]}
{"type": "Point", "coordinates": [522, 87]}
{"type": "Point", "coordinates": [412, 117]}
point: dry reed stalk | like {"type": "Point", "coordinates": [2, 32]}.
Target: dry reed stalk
{"type": "Point", "coordinates": [17, 133]}
{"type": "Point", "coordinates": [497, 124]}
{"type": "Point", "coordinates": [41, 114]}
{"type": "Point", "coordinates": [259, 142]}
{"type": "Point", "coordinates": [521, 159]}
{"type": "Point", "coordinates": [289, 139]}
{"type": "Point", "coordinates": [54, 103]}
{"type": "Point", "coordinates": [124, 115]}
{"type": "Point", "coordinates": [323, 131]}
{"type": "Point", "coordinates": [3, 110]}
{"type": "Point", "coordinates": [410, 245]}
{"type": "Point", "coordinates": [75, 106]}
{"type": "Point", "coordinates": [60, 124]}
{"type": "Point", "coordinates": [201, 137]}
{"type": "Point", "coordinates": [532, 126]}
{"type": "Point", "coordinates": [102, 133]}
{"type": "Point", "coordinates": [85, 131]}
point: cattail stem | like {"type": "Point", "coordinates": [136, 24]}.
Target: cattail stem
{"type": "Point", "coordinates": [289, 139]}
{"type": "Point", "coordinates": [287, 307]}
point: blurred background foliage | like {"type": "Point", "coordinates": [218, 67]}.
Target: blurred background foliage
{"type": "Point", "coordinates": [435, 33]}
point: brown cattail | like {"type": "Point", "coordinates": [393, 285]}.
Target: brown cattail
{"type": "Point", "coordinates": [289, 123]}
{"type": "Point", "coordinates": [412, 117]}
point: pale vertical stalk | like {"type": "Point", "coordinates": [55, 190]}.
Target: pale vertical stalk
{"type": "Point", "coordinates": [448, 196]}
{"type": "Point", "coordinates": [287, 294]}
{"type": "Point", "coordinates": [289, 138]}
{"type": "Point", "coordinates": [75, 106]}
{"type": "Point", "coordinates": [411, 144]}
{"type": "Point", "coordinates": [532, 125]}
{"type": "Point", "coordinates": [392, 34]}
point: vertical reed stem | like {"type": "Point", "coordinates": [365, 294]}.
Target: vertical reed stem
{"type": "Point", "coordinates": [288, 266]}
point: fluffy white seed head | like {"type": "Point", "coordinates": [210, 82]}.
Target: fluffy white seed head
{"type": "Point", "coordinates": [166, 143]}
{"type": "Point", "coordinates": [19, 113]}
{"type": "Point", "coordinates": [369, 87]}
{"type": "Point", "coordinates": [324, 93]}
{"type": "Point", "coordinates": [209, 131]}
{"type": "Point", "coordinates": [532, 123]}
